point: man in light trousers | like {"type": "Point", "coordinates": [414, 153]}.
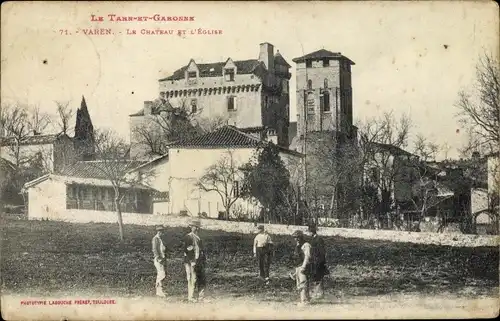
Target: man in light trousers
{"type": "Point", "coordinates": [194, 263]}
{"type": "Point", "coordinates": [159, 260]}
{"type": "Point", "coordinates": [302, 272]}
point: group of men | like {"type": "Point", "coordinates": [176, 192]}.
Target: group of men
{"type": "Point", "coordinates": [194, 262]}
{"type": "Point", "coordinates": [309, 272]}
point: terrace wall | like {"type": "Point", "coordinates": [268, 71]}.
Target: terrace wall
{"type": "Point", "coordinates": [461, 240]}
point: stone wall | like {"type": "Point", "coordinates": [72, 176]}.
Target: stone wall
{"type": "Point", "coordinates": [83, 216]}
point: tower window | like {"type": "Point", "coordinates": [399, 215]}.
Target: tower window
{"type": "Point", "coordinates": [309, 84]}
{"type": "Point", "coordinates": [326, 101]}
{"type": "Point", "coordinates": [326, 83]}
{"type": "Point", "coordinates": [230, 103]}
{"type": "Point", "coordinates": [229, 74]}
{"type": "Point", "coordinates": [326, 62]}
{"type": "Point", "coordinates": [309, 64]}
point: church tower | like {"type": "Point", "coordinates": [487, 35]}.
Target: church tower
{"type": "Point", "coordinates": [324, 94]}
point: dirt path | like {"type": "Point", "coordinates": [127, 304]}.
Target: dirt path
{"type": "Point", "coordinates": [150, 308]}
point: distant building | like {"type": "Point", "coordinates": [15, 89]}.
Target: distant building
{"type": "Point", "coordinates": [54, 151]}
{"type": "Point", "coordinates": [187, 161]}
{"type": "Point", "coordinates": [244, 93]}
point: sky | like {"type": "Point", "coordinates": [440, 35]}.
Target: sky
{"type": "Point", "coordinates": [411, 57]}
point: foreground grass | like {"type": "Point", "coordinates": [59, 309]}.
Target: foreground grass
{"type": "Point", "coordinates": [40, 258]}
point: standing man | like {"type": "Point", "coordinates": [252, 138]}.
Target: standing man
{"type": "Point", "coordinates": [194, 262]}
{"type": "Point", "coordinates": [262, 250]}
{"type": "Point", "coordinates": [318, 260]}
{"type": "Point", "coordinates": [159, 260]}
{"type": "Point", "coordinates": [303, 271]}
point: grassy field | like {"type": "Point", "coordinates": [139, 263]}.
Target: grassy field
{"type": "Point", "coordinates": [42, 258]}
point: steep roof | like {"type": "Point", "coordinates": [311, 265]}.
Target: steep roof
{"type": "Point", "coordinates": [32, 140]}
{"type": "Point", "coordinates": [215, 69]}
{"type": "Point", "coordinates": [278, 59]}
{"type": "Point", "coordinates": [226, 137]}
{"type": "Point", "coordinates": [322, 53]}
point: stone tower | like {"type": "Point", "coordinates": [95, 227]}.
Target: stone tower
{"type": "Point", "coordinates": [324, 93]}
{"type": "Point", "coordinates": [324, 125]}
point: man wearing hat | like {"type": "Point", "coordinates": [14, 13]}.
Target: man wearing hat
{"type": "Point", "coordinates": [303, 271]}
{"type": "Point", "coordinates": [318, 260]}
{"type": "Point", "coordinates": [262, 250]}
{"type": "Point", "coordinates": [159, 260]}
{"type": "Point", "coordinates": [194, 262]}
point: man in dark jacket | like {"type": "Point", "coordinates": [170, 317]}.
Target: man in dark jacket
{"type": "Point", "coordinates": [194, 263]}
{"type": "Point", "coordinates": [318, 262]}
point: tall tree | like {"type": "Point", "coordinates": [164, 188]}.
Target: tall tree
{"type": "Point", "coordinates": [479, 108]}
{"type": "Point", "coordinates": [64, 115]}
{"type": "Point", "coordinates": [84, 139]}
{"type": "Point", "coordinates": [114, 163]}
{"type": "Point", "coordinates": [268, 180]}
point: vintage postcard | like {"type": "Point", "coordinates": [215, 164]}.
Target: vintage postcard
{"type": "Point", "coordinates": [249, 160]}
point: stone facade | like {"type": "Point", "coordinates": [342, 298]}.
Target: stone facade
{"type": "Point", "coordinates": [247, 93]}
{"type": "Point", "coordinates": [324, 92]}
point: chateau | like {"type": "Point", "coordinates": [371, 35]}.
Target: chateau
{"type": "Point", "coordinates": [251, 93]}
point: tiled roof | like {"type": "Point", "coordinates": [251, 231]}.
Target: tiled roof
{"type": "Point", "coordinates": [322, 53]}
{"type": "Point", "coordinates": [80, 180]}
{"type": "Point", "coordinates": [256, 129]}
{"type": "Point", "coordinates": [31, 140]}
{"type": "Point", "coordinates": [215, 69]}
{"type": "Point", "coordinates": [94, 169]}
{"type": "Point", "coordinates": [227, 136]}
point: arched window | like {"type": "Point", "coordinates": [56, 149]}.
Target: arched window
{"type": "Point", "coordinates": [309, 84]}
{"type": "Point", "coordinates": [326, 83]}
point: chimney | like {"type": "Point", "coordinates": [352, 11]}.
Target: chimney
{"type": "Point", "coordinates": [148, 105]}
{"type": "Point", "coordinates": [266, 55]}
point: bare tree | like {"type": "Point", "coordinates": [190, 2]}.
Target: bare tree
{"type": "Point", "coordinates": [64, 115]}
{"type": "Point", "coordinates": [171, 121]}
{"type": "Point", "coordinates": [165, 125]}
{"type": "Point", "coordinates": [223, 178]}
{"type": "Point", "coordinates": [114, 163]}
{"type": "Point", "coordinates": [382, 139]}
{"type": "Point", "coordinates": [18, 122]}
{"type": "Point", "coordinates": [425, 149]}
{"type": "Point", "coordinates": [479, 109]}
